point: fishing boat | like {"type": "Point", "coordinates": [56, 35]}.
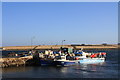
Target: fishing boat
{"type": "Point", "coordinates": [58, 62]}
{"type": "Point", "coordinates": [63, 62]}
{"type": "Point", "coordinates": [67, 57]}
{"type": "Point", "coordinates": [88, 58]}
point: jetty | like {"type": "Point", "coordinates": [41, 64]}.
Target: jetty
{"type": "Point", "coordinates": [9, 62]}
{"type": "Point", "coordinates": [20, 61]}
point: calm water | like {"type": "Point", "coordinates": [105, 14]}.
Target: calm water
{"type": "Point", "coordinates": [108, 69]}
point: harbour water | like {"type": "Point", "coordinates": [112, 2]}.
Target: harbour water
{"type": "Point", "coordinates": [108, 69]}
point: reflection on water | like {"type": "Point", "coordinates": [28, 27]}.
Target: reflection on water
{"type": "Point", "coordinates": [108, 69]}
{"type": "Point", "coordinates": [78, 71]}
{"type": "Point", "coordinates": [15, 69]}
{"type": "Point", "coordinates": [64, 70]}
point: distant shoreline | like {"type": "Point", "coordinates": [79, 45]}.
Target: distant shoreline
{"type": "Point", "coordinates": [43, 47]}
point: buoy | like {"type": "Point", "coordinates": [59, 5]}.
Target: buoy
{"type": "Point", "coordinates": [76, 58]}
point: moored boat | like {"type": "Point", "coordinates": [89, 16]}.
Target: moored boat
{"type": "Point", "coordinates": [58, 62]}
{"type": "Point", "coordinates": [67, 57]}
{"type": "Point", "coordinates": [63, 62]}
{"type": "Point", "coordinates": [88, 58]}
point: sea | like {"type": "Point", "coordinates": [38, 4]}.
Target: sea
{"type": "Point", "coordinates": [107, 69]}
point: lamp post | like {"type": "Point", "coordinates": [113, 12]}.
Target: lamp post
{"type": "Point", "coordinates": [32, 41]}
{"type": "Point", "coordinates": [62, 42]}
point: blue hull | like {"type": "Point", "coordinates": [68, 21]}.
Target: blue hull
{"type": "Point", "coordinates": [46, 62]}
{"type": "Point", "coordinates": [56, 63]}
{"type": "Point", "coordinates": [64, 63]}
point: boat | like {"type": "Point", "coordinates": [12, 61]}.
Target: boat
{"type": "Point", "coordinates": [58, 62]}
{"type": "Point", "coordinates": [61, 58]}
{"type": "Point", "coordinates": [88, 58]}
{"type": "Point", "coordinates": [63, 62]}
{"type": "Point", "coordinates": [80, 58]}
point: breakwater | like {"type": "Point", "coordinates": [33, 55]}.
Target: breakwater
{"type": "Point", "coordinates": [43, 47]}
{"type": "Point", "coordinates": [9, 62]}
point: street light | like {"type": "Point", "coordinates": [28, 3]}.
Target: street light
{"type": "Point", "coordinates": [62, 42]}
{"type": "Point", "coordinates": [32, 41]}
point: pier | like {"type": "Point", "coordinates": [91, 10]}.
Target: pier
{"type": "Point", "coordinates": [9, 62]}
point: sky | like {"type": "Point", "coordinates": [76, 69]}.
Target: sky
{"type": "Point", "coordinates": [60, 0]}
{"type": "Point", "coordinates": [48, 23]}
{"type": "Point", "coordinates": [0, 24]}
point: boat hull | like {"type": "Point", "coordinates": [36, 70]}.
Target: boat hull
{"type": "Point", "coordinates": [57, 63]}
{"type": "Point", "coordinates": [64, 63]}
{"type": "Point", "coordinates": [46, 62]}
{"type": "Point", "coordinates": [91, 60]}
{"type": "Point", "coordinates": [71, 62]}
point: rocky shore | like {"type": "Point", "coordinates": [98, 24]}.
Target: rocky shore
{"type": "Point", "coordinates": [9, 62]}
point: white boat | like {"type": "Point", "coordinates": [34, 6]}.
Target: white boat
{"type": "Point", "coordinates": [63, 62]}
{"type": "Point", "coordinates": [93, 58]}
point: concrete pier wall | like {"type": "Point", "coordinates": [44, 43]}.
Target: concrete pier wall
{"type": "Point", "coordinates": [8, 62]}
